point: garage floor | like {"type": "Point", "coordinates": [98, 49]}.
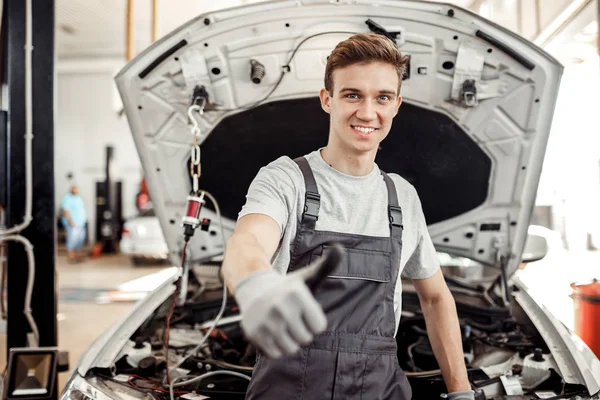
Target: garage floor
{"type": "Point", "coordinates": [82, 319]}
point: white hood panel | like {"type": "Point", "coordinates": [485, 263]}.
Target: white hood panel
{"type": "Point", "coordinates": [511, 126]}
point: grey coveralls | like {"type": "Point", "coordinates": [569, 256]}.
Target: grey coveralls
{"type": "Point", "coordinates": [355, 358]}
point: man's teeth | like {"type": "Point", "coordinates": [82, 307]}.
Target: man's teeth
{"type": "Point", "coordinates": [364, 130]}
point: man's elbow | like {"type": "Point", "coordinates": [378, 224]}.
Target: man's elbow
{"type": "Point", "coordinates": [230, 248]}
{"type": "Point", "coordinates": [442, 299]}
{"type": "Point", "coordinates": [236, 255]}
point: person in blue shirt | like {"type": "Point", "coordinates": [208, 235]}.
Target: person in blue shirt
{"type": "Point", "coordinates": [74, 219]}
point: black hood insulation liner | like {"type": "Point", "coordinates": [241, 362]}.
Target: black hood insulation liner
{"type": "Point", "coordinates": [449, 171]}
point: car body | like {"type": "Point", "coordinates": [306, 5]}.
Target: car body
{"type": "Point", "coordinates": [470, 136]}
{"type": "Point", "coordinates": [142, 238]}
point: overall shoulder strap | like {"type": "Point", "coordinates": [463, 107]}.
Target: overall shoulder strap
{"type": "Point", "coordinates": [312, 200]}
{"type": "Point", "coordinates": [394, 209]}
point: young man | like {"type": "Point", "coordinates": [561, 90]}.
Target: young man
{"type": "Point", "coordinates": [74, 219]}
{"type": "Point", "coordinates": [340, 342]}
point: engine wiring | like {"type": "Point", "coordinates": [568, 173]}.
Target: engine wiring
{"type": "Point", "coordinates": [156, 385]}
{"type": "Point", "coordinates": [131, 383]}
{"type": "Point", "coordinates": [174, 302]}
{"type": "Point", "coordinates": [201, 377]}
{"type": "Point", "coordinates": [225, 364]}
{"type": "Point", "coordinates": [171, 383]}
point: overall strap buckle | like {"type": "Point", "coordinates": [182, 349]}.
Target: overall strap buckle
{"type": "Point", "coordinates": [395, 215]}
{"type": "Point", "coordinates": [312, 203]}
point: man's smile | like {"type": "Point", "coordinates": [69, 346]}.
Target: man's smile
{"type": "Point", "coordinates": [364, 130]}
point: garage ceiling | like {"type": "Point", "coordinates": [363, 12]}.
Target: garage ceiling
{"type": "Point", "coordinates": [96, 28]}
{"type": "Point", "coordinates": [576, 40]}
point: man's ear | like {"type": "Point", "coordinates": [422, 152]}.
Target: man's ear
{"type": "Point", "coordinates": [325, 100]}
{"type": "Point", "coordinates": [398, 103]}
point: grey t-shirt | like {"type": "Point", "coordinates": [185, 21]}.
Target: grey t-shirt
{"type": "Point", "coordinates": [349, 204]}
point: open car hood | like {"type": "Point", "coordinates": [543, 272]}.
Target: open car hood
{"type": "Point", "coordinates": [470, 135]}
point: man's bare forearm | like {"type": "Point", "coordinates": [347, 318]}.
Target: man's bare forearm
{"type": "Point", "coordinates": [67, 215]}
{"type": "Point", "coordinates": [243, 256]}
{"type": "Point", "coordinates": [444, 334]}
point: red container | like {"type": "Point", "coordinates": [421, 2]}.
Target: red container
{"type": "Point", "coordinates": [586, 300]}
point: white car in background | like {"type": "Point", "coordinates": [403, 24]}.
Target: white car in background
{"type": "Point", "coordinates": [143, 240]}
{"type": "Point", "coordinates": [470, 136]}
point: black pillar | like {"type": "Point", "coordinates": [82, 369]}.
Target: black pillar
{"type": "Point", "coordinates": [41, 231]}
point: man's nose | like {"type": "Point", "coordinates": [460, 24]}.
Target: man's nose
{"type": "Point", "coordinates": [366, 111]}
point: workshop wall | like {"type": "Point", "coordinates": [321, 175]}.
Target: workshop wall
{"type": "Point", "coordinates": [87, 121]}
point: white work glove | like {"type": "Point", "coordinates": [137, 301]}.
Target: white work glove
{"type": "Point", "coordinates": [279, 312]}
{"type": "Point", "coordinates": [464, 395]}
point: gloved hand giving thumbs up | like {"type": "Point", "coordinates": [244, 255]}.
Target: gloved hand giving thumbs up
{"type": "Point", "coordinates": [279, 312]}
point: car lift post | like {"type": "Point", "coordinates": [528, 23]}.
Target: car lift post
{"type": "Point", "coordinates": [41, 231]}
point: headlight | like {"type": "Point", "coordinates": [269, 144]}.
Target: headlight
{"type": "Point", "coordinates": [79, 388]}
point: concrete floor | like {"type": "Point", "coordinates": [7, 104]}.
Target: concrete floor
{"type": "Point", "coordinates": [81, 319]}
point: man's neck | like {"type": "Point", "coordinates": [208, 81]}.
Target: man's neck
{"type": "Point", "coordinates": [349, 163]}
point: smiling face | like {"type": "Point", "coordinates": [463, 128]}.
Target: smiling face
{"type": "Point", "coordinates": [362, 106]}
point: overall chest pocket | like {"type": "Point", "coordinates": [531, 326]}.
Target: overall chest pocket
{"type": "Point", "coordinates": [361, 264]}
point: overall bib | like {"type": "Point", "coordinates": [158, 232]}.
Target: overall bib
{"type": "Point", "coordinates": [355, 358]}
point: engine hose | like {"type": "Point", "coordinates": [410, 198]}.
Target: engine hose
{"type": "Point", "coordinates": [464, 285]}
{"type": "Point", "coordinates": [225, 364]}
{"type": "Point", "coordinates": [484, 327]}
{"type": "Point", "coordinates": [433, 373]}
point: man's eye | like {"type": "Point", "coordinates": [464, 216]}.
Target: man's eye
{"type": "Point", "coordinates": [352, 96]}
{"type": "Point", "coordinates": [384, 98]}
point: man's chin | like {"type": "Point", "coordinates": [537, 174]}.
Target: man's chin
{"type": "Point", "coordinates": [362, 147]}
{"type": "Point", "coordinates": [356, 145]}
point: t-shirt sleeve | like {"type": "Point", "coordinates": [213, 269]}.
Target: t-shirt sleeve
{"type": "Point", "coordinates": [271, 193]}
{"type": "Point", "coordinates": [423, 262]}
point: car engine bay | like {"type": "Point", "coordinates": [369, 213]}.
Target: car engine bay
{"type": "Point", "coordinates": [506, 357]}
